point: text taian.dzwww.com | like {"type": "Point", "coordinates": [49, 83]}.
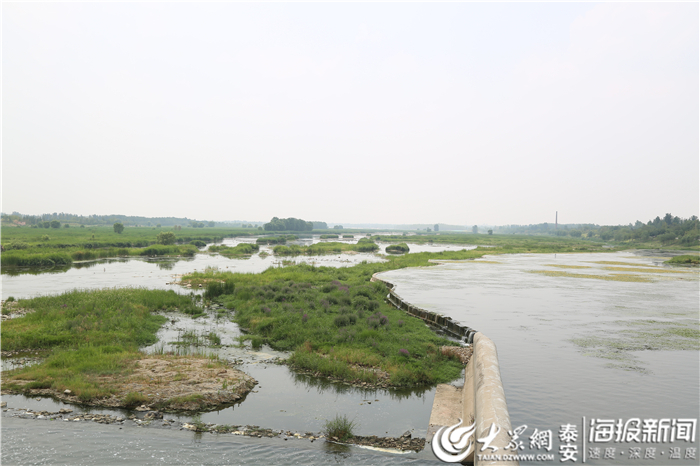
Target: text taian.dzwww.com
{"type": "Point", "coordinates": [523, 457]}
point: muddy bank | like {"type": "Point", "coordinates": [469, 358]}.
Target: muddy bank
{"type": "Point", "coordinates": [165, 382]}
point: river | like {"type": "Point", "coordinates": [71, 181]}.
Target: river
{"type": "Point", "coordinates": [569, 347]}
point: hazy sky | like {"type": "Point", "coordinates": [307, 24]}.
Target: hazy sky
{"type": "Point", "coordinates": [461, 113]}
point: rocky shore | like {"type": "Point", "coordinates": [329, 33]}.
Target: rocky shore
{"type": "Point", "coordinates": [145, 418]}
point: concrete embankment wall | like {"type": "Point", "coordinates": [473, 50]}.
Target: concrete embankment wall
{"type": "Point", "coordinates": [483, 400]}
{"type": "Point", "coordinates": [437, 321]}
{"type": "Point", "coordinates": [483, 385]}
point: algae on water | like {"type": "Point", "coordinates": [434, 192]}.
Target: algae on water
{"type": "Point", "coordinates": [618, 277]}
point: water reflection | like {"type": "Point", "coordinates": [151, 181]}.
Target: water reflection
{"type": "Point", "coordinates": [15, 271]}
{"type": "Point", "coordinates": [323, 385]}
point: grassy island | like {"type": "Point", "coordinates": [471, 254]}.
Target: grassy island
{"type": "Point", "coordinates": [336, 322]}
{"type": "Point", "coordinates": [685, 259]}
{"type": "Point", "coordinates": [364, 245]}
{"type": "Point", "coordinates": [91, 340]}
{"type": "Point", "coordinates": [401, 248]}
{"type": "Point", "coordinates": [243, 249]}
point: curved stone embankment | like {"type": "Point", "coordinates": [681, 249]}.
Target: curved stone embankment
{"type": "Point", "coordinates": [439, 322]}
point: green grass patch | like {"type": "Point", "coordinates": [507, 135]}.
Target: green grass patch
{"type": "Point", "coordinates": [324, 248]}
{"type": "Point", "coordinates": [685, 259]}
{"type": "Point", "coordinates": [617, 277]}
{"type": "Point", "coordinates": [242, 249]}
{"type": "Point", "coordinates": [89, 334]}
{"type": "Point", "coordinates": [337, 323]}
{"type": "Point", "coordinates": [280, 239]}
{"type": "Point", "coordinates": [401, 248]}
{"type": "Point", "coordinates": [339, 427]}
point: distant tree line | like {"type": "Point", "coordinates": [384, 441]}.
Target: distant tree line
{"type": "Point", "coordinates": [668, 230]}
{"type": "Point", "coordinates": [288, 224]}
{"type": "Point", "coordinates": [40, 221]}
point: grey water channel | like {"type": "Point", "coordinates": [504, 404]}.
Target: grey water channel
{"type": "Point", "coordinates": [600, 336]}
{"type": "Point", "coordinates": [605, 336]}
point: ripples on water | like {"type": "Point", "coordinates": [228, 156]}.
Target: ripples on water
{"type": "Point", "coordinates": [540, 325]}
{"type": "Point", "coordinates": [43, 443]}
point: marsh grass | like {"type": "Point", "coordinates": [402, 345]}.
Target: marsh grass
{"type": "Point", "coordinates": [401, 248]}
{"type": "Point", "coordinates": [89, 334]}
{"type": "Point", "coordinates": [340, 427]}
{"type": "Point", "coordinates": [617, 277]}
{"type": "Point", "coordinates": [685, 259]}
{"type": "Point", "coordinates": [563, 266]}
{"type": "Point", "coordinates": [645, 270]}
{"type": "Point", "coordinates": [242, 249]}
{"type": "Point", "coordinates": [36, 257]}
{"type": "Point", "coordinates": [336, 322]}
{"type": "Point", "coordinates": [323, 248]}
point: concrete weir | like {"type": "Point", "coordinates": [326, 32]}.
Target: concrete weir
{"type": "Point", "coordinates": [481, 401]}
{"type": "Point", "coordinates": [441, 323]}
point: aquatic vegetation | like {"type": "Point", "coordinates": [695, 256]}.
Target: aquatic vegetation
{"type": "Point", "coordinates": [685, 259]}
{"type": "Point", "coordinates": [321, 314]}
{"type": "Point", "coordinates": [633, 264]}
{"type": "Point", "coordinates": [242, 249]}
{"type": "Point", "coordinates": [324, 248]}
{"type": "Point", "coordinates": [340, 427]}
{"type": "Point", "coordinates": [216, 288]}
{"type": "Point", "coordinates": [564, 266]}
{"type": "Point", "coordinates": [618, 277]}
{"type": "Point", "coordinates": [281, 239]}
{"type": "Point", "coordinates": [645, 270]}
{"type": "Point", "coordinates": [89, 334]}
{"type": "Point", "coordinates": [623, 337]}
{"type": "Point", "coordinates": [401, 248]}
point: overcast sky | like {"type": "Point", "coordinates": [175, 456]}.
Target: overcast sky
{"type": "Point", "coordinates": [494, 113]}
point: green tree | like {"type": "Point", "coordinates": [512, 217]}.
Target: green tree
{"type": "Point", "coordinates": [118, 228]}
{"type": "Point", "coordinates": [475, 229]}
{"type": "Point", "coordinates": [490, 232]}
{"type": "Point", "coordinates": [167, 237]}
{"type": "Point", "coordinates": [55, 224]}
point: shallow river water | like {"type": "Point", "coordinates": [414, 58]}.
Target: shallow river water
{"type": "Point", "coordinates": [569, 346]}
{"type": "Point", "coordinates": [575, 342]}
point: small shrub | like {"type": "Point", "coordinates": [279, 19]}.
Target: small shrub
{"type": "Point", "coordinates": [404, 352]}
{"type": "Point", "coordinates": [305, 318]}
{"type": "Point", "coordinates": [214, 339]}
{"type": "Point", "coordinates": [256, 341]}
{"type": "Point", "coordinates": [401, 248]}
{"type": "Point", "coordinates": [341, 321]}
{"type": "Point", "coordinates": [340, 427]}
{"type": "Point", "coordinates": [215, 289]}
{"type": "Point", "coordinates": [400, 323]}
{"type": "Point", "coordinates": [10, 299]}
